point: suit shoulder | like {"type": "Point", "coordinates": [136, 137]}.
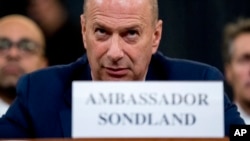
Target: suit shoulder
{"type": "Point", "coordinates": [51, 81]}
{"type": "Point", "coordinates": [186, 69]}
{"type": "Point", "coordinates": [58, 73]}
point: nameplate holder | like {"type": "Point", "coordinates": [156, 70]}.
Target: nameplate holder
{"type": "Point", "coordinates": [155, 109]}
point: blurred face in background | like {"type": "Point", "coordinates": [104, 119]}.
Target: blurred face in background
{"type": "Point", "coordinates": [238, 70]}
{"type": "Point", "coordinates": [21, 49]}
{"type": "Point", "coordinates": [120, 37]}
{"type": "Point", "coordinates": [49, 14]}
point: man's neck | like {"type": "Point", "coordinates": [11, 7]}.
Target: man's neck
{"type": "Point", "coordinates": [244, 105]}
{"type": "Point", "coordinates": [7, 95]}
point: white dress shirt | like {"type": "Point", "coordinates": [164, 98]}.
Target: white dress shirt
{"type": "Point", "coordinates": [3, 107]}
{"type": "Point", "coordinates": [243, 114]}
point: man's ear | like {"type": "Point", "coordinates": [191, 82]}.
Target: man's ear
{"type": "Point", "coordinates": [228, 73]}
{"type": "Point", "coordinates": [157, 36]}
{"type": "Point", "coordinates": [83, 25]}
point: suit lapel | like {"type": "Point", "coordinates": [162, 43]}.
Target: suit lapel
{"type": "Point", "coordinates": [157, 70]}
{"type": "Point", "coordinates": [80, 71]}
{"type": "Point", "coordinates": [65, 116]}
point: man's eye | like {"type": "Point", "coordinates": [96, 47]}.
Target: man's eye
{"type": "Point", "coordinates": [132, 32]}
{"type": "Point", "coordinates": [132, 35]}
{"type": "Point", "coordinates": [100, 31]}
{"type": "Point", "coordinates": [4, 44]}
{"type": "Point", "coordinates": [101, 34]}
{"type": "Point", "coordinates": [244, 59]}
{"type": "Point", "coordinates": [28, 46]}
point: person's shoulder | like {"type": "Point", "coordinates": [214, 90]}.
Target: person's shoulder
{"type": "Point", "coordinates": [183, 69]}
{"type": "Point", "coordinates": [62, 70]}
{"type": "Point", "coordinates": [52, 80]}
{"type": "Point", "coordinates": [59, 73]}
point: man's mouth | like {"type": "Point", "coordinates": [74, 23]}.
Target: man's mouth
{"type": "Point", "coordinates": [12, 70]}
{"type": "Point", "coordinates": [116, 72]}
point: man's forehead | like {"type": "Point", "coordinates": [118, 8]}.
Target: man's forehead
{"type": "Point", "coordinates": [17, 26]}
{"type": "Point", "coordinates": [18, 21]}
{"type": "Point", "coordinates": [242, 40]}
{"type": "Point", "coordinates": [119, 10]}
{"type": "Point", "coordinates": [122, 2]}
{"type": "Point", "coordinates": [118, 4]}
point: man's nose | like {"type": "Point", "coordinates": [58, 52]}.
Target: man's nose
{"type": "Point", "coordinates": [115, 51]}
{"type": "Point", "coordinates": [13, 52]}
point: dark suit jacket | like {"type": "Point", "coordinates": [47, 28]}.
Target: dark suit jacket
{"type": "Point", "coordinates": [43, 104]}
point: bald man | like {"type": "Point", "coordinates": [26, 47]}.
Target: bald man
{"type": "Point", "coordinates": [21, 51]}
{"type": "Point", "coordinates": [121, 38]}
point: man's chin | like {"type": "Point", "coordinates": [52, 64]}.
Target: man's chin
{"type": "Point", "coordinates": [9, 82]}
{"type": "Point", "coordinates": [112, 78]}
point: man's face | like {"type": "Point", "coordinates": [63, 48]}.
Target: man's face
{"type": "Point", "coordinates": [15, 61]}
{"type": "Point", "coordinates": [120, 37]}
{"type": "Point", "coordinates": [238, 71]}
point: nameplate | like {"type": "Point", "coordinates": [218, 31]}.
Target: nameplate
{"type": "Point", "coordinates": [147, 109]}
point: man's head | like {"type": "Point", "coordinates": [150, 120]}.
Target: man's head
{"type": "Point", "coordinates": [154, 7]}
{"type": "Point", "coordinates": [236, 53]}
{"type": "Point", "coordinates": [120, 37]}
{"type": "Point", "coordinates": [22, 48]}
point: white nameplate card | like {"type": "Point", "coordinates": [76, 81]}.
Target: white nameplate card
{"type": "Point", "coordinates": [147, 109]}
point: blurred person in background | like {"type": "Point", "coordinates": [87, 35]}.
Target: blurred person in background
{"type": "Point", "coordinates": [22, 49]}
{"type": "Point", "coordinates": [236, 55]}
{"type": "Point", "coordinates": [64, 40]}
{"type": "Point", "coordinates": [63, 36]}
